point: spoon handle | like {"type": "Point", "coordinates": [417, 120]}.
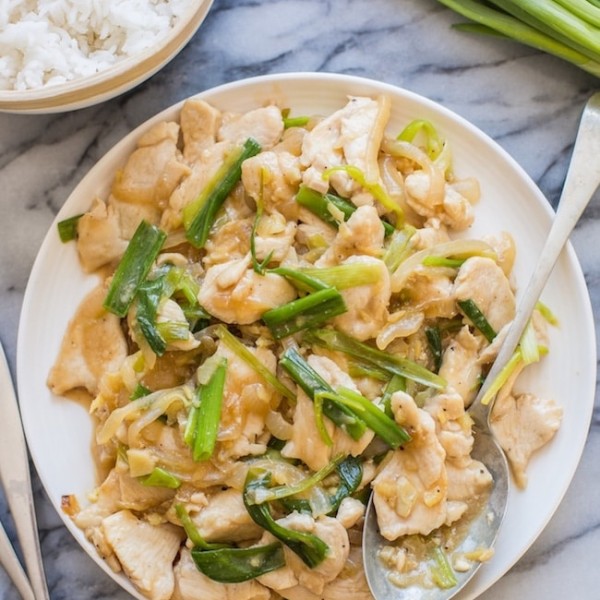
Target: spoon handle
{"type": "Point", "coordinates": [582, 180]}
{"type": "Point", "coordinates": [11, 564]}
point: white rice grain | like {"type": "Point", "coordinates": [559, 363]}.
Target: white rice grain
{"type": "Point", "coordinates": [47, 42]}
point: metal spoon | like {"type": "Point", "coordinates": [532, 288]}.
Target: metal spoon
{"type": "Point", "coordinates": [583, 178]}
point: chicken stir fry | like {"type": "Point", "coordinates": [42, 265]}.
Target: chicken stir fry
{"type": "Point", "coordinates": [286, 324]}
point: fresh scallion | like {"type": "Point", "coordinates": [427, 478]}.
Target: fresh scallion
{"type": "Point", "coordinates": [434, 342]}
{"type": "Point", "coordinates": [310, 548]}
{"type": "Point", "coordinates": [209, 413]}
{"type": "Point", "coordinates": [134, 267]}
{"type": "Point", "coordinates": [199, 215]}
{"type": "Point", "coordinates": [336, 340]}
{"type": "Point", "coordinates": [160, 477]}
{"type": "Point", "coordinates": [433, 143]}
{"type": "Point", "coordinates": [474, 314]}
{"type": "Point", "coordinates": [442, 572]}
{"type": "Point", "coordinates": [313, 384]}
{"type": "Point", "coordinates": [67, 228]}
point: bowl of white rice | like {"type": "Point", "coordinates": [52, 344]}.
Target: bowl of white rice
{"type": "Point", "coordinates": [58, 55]}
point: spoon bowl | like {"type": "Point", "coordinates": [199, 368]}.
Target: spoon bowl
{"type": "Point", "coordinates": [582, 180]}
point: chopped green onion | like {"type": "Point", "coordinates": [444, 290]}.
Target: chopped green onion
{"type": "Point", "coordinates": [139, 392]}
{"type": "Point", "coordinates": [336, 340]}
{"type": "Point", "coordinates": [541, 24]}
{"type": "Point", "coordinates": [387, 429]}
{"type": "Point", "coordinates": [443, 261]}
{"type": "Point", "coordinates": [134, 267]}
{"type": "Point", "coordinates": [399, 248]}
{"type": "Point", "coordinates": [191, 426]}
{"type": "Point", "coordinates": [312, 384]}
{"type": "Point", "coordinates": [350, 472]}
{"type": "Point", "coordinates": [258, 267]}
{"type": "Point", "coordinates": [396, 384]}
{"type": "Point", "coordinates": [67, 228]}
{"type": "Point", "coordinates": [373, 187]}
{"type": "Point", "coordinates": [310, 548]}
{"type": "Point", "coordinates": [160, 477]}
{"type": "Point", "coordinates": [342, 277]}
{"type": "Point", "coordinates": [235, 565]}
{"type": "Point", "coordinates": [320, 422]}
{"type": "Point", "coordinates": [442, 572]}
{"type": "Point", "coordinates": [433, 144]}
{"type": "Point", "coordinates": [238, 348]}
{"type": "Point", "coordinates": [293, 121]}
{"type": "Point", "coordinates": [192, 531]}
{"type": "Point", "coordinates": [173, 331]}
{"type": "Point", "coordinates": [324, 206]}
{"type": "Point", "coordinates": [311, 310]}
{"type": "Point", "coordinates": [529, 345]}
{"type": "Point", "coordinates": [199, 215]}
{"type": "Point", "coordinates": [209, 413]}
{"type": "Point", "coordinates": [258, 494]}
{"type": "Point", "coordinates": [546, 313]}
{"type": "Point", "coordinates": [474, 314]}
{"type": "Point", "coordinates": [434, 341]}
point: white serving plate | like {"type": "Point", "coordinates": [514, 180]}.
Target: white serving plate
{"type": "Point", "coordinates": [59, 431]}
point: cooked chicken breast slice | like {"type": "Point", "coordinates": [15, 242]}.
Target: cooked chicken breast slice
{"type": "Point", "coordinates": [235, 293]}
{"type": "Point", "coordinates": [296, 580]}
{"type": "Point", "coordinates": [225, 519]}
{"type": "Point", "coordinates": [81, 361]}
{"type": "Point", "coordinates": [351, 583]}
{"type": "Point", "coordinates": [265, 125]}
{"type": "Point", "coordinates": [410, 489]}
{"type": "Point", "coordinates": [192, 584]}
{"type": "Point", "coordinates": [352, 136]}
{"type": "Point", "coordinates": [524, 423]}
{"type": "Point", "coordinates": [146, 552]}
{"type": "Point", "coordinates": [483, 281]}
{"type": "Point", "coordinates": [199, 123]}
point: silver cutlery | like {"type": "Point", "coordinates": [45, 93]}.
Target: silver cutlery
{"type": "Point", "coordinates": [16, 481]}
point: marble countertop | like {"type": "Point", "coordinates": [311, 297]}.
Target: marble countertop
{"type": "Point", "coordinates": [529, 103]}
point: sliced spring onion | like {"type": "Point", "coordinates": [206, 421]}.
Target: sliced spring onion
{"type": "Point", "coordinates": [541, 24]}
{"type": "Point", "coordinates": [336, 340]}
{"type": "Point", "coordinates": [373, 187]}
{"type": "Point", "coordinates": [209, 413]}
{"type": "Point", "coordinates": [258, 267]}
{"type": "Point", "coordinates": [259, 494]}
{"type": "Point", "coordinates": [238, 348]}
{"type": "Point", "coordinates": [386, 428]}
{"type": "Point", "coordinates": [396, 384]}
{"type": "Point", "coordinates": [399, 248]}
{"type": "Point", "coordinates": [350, 472]}
{"type": "Point", "coordinates": [235, 565]}
{"type": "Point", "coordinates": [474, 314]}
{"type": "Point", "coordinates": [529, 345]}
{"type": "Point", "coordinates": [67, 228]}
{"type": "Point", "coordinates": [345, 276]}
{"type": "Point", "coordinates": [433, 143]}
{"type": "Point", "coordinates": [134, 267]}
{"type": "Point", "coordinates": [288, 121]}
{"type": "Point", "coordinates": [160, 477]}
{"type": "Point", "coordinates": [312, 310]}
{"type": "Point", "coordinates": [199, 215]}
{"type": "Point", "coordinates": [546, 313]}
{"type": "Point", "coordinates": [434, 341]}
{"type": "Point", "coordinates": [192, 531]}
{"type": "Point", "coordinates": [312, 384]}
{"type": "Point", "coordinates": [443, 261]}
{"type": "Point", "coordinates": [310, 548]}
{"type": "Point", "coordinates": [139, 392]}
{"type": "Point", "coordinates": [324, 206]}
{"type": "Point", "coordinates": [442, 573]}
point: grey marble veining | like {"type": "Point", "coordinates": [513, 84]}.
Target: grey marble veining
{"type": "Point", "coordinates": [527, 102]}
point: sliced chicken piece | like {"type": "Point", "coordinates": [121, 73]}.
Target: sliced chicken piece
{"type": "Point", "coordinates": [352, 136]}
{"type": "Point", "coordinates": [306, 442]}
{"type": "Point", "coordinates": [367, 304]}
{"type": "Point", "coordinates": [136, 496]}
{"type": "Point", "coordinates": [523, 423]}
{"type": "Point", "coordinates": [410, 490]}
{"type": "Point", "coordinates": [272, 178]}
{"type": "Point", "coordinates": [461, 367]}
{"type": "Point", "coordinates": [99, 237]}
{"type": "Point", "coordinates": [431, 234]}
{"type": "Point", "coordinates": [229, 242]}
{"type": "Point", "coordinates": [192, 584]}
{"type": "Point", "coordinates": [146, 552]}
{"type": "Point", "coordinates": [468, 483]}
{"type": "Point", "coordinates": [225, 519]}
{"type": "Point", "coordinates": [265, 125]}
{"type": "Point", "coordinates": [483, 281]}
{"type": "Point", "coordinates": [350, 512]}
{"type": "Point", "coordinates": [431, 291]}
{"type": "Point", "coordinates": [298, 581]}
{"type": "Point", "coordinates": [274, 237]}
{"type": "Point", "coordinates": [351, 582]}
{"type": "Point", "coordinates": [199, 125]}
{"type": "Point", "coordinates": [361, 234]}
{"type": "Point", "coordinates": [81, 361]}
{"type": "Point", "coordinates": [234, 293]}
{"type": "Point", "coordinates": [247, 400]}
{"type": "Point", "coordinates": [153, 169]}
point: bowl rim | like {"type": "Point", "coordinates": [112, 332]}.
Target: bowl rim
{"type": "Point", "coordinates": [109, 82]}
